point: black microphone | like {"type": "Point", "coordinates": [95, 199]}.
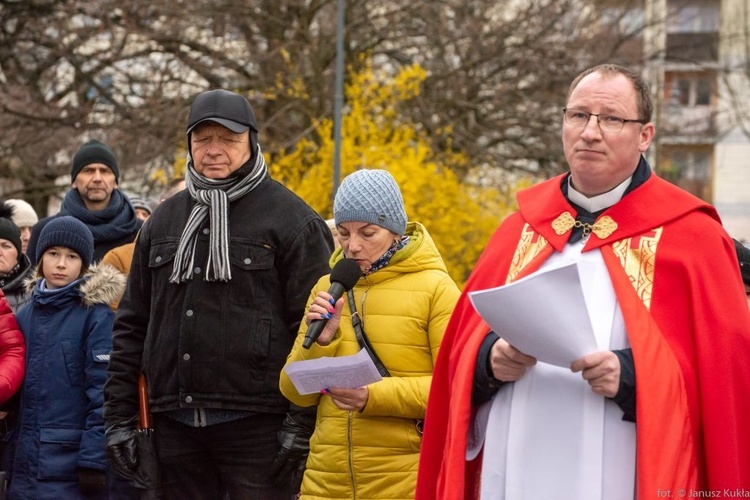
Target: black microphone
{"type": "Point", "coordinates": [344, 276]}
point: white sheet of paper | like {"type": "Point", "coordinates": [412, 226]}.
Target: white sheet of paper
{"type": "Point", "coordinates": [347, 372]}
{"type": "Point", "coordinates": [543, 315]}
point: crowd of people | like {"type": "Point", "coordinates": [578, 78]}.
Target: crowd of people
{"type": "Point", "coordinates": [144, 346]}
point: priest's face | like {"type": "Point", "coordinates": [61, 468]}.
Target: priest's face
{"type": "Point", "coordinates": [599, 158]}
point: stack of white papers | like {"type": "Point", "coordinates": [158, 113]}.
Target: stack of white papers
{"type": "Point", "coordinates": [543, 315]}
{"type": "Point", "coordinates": [346, 372]}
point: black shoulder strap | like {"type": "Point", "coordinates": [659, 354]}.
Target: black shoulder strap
{"type": "Point", "coordinates": [362, 339]}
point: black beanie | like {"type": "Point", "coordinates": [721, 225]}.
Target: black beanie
{"type": "Point", "coordinates": [69, 232]}
{"type": "Point", "coordinates": [94, 152]}
{"type": "Point", "coordinates": [8, 230]}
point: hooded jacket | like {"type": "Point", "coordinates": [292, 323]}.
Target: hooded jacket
{"type": "Point", "coordinates": [60, 425]}
{"type": "Point", "coordinates": [404, 308]}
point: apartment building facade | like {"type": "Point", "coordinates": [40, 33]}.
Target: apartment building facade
{"type": "Point", "coordinates": [697, 64]}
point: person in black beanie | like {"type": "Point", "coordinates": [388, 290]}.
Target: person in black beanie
{"type": "Point", "coordinates": [96, 201]}
{"type": "Point", "coordinates": [15, 265]}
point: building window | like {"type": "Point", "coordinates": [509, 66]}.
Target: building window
{"type": "Point", "coordinates": [693, 16]}
{"type": "Point", "coordinates": [688, 168]}
{"type": "Point", "coordinates": [689, 91]}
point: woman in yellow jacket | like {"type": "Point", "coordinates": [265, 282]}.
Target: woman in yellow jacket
{"type": "Point", "coordinates": [366, 441]}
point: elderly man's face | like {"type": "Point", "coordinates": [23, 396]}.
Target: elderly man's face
{"type": "Point", "coordinates": [599, 161]}
{"type": "Point", "coordinates": [217, 151]}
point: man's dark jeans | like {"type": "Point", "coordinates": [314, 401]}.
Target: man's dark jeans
{"type": "Point", "coordinates": [228, 460]}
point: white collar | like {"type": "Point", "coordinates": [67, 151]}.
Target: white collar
{"type": "Point", "coordinates": [600, 201]}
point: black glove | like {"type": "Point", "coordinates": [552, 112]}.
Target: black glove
{"type": "Point", "coordinates": [294, 438]}
{"type": "Point", "coordinates": [122, 450]}
{"type": "Point", "coordinates": [91, 480]}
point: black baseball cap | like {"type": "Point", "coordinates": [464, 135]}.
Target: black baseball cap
{"type": "Point", "coordinates": [223, 107]}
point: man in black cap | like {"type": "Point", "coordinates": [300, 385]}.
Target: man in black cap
{"type": "Point", "coordinates": [95, 200]}
{"type": "Point", "coordinates": [218, 285]}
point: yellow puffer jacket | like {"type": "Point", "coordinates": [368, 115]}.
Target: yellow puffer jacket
{"type": "Point", "coordinates": [405, 308]}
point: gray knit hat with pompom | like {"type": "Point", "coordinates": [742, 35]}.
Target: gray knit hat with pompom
{"type": "Point", "coordinates": [370, 196]}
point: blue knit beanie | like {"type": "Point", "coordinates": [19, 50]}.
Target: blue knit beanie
{"type": "Point", "coordinates": [69, 232]}
{"type": "Point", "coordinates": [370, 196]}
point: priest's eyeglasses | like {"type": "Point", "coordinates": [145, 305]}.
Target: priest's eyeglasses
{"type": "Point", "coordinates": [607, 123]}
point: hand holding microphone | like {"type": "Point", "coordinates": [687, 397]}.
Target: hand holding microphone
{"type": "Point", "coordinates": [344, 276]}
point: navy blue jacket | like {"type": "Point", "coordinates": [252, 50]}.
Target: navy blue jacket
{"type": "Point", "coordinates": [60, 425]}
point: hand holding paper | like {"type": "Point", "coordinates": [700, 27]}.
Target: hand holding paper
{"type": "Point", "coordinates": [348, 372]}
{"type": "Point", "coordinates": [601, 370]}
{"type": "Point", "coordinates": [543, 315]}
{"type": "Point", "coordinates": [508, 363]}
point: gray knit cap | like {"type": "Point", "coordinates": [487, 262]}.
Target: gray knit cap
{"type": "Point", "coordinates": [370, 196]}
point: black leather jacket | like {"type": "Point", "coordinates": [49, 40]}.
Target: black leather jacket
{"type": "Point", "coordinates": [217, 344]}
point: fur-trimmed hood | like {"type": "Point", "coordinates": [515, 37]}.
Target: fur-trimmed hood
{"type": "Point", "coordinates": [102, 284]}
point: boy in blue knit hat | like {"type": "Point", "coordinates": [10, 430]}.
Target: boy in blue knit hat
{"type": "Point", "coordinates": [59, 442]}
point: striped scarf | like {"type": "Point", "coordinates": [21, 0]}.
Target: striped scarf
{"type": "Point", "coordinates": [212, 198]}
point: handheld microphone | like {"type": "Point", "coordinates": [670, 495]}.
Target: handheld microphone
{"type": "Point", "coordinates": [344, 276]}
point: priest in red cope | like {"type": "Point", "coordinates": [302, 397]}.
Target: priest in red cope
{"type": "Point", "coordinates": [664, 405]}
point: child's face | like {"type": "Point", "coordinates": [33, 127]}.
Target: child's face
{"type": "Point", "coordinates": [61, 266]}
